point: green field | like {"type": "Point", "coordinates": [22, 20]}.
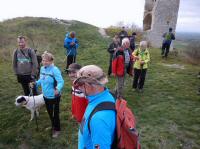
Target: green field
{"type": "Point", "coordinates": [168, 112]}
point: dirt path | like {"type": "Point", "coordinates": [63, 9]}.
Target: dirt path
{"type": "Point", "coordinates": [103, 32]}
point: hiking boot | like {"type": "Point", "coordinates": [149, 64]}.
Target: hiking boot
{"type": "Point", "coordinates": [55, 134]}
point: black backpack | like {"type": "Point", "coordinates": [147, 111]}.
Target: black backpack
{"type": "Point", "coordinates": [39, 60]}
{"type": "Point", "coordinates": [39, 57]}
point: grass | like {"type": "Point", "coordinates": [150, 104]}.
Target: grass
{"type": "Point", "coordinates": [168, 112]}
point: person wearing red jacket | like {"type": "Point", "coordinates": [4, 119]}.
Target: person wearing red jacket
{"type": "Point", "coordinates": [79, 102]}
{"type": "Point", "coordinates": [122, 64]}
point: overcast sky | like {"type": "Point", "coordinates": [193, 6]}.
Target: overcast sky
{"type": "Point", "coordinates": [101, 13]}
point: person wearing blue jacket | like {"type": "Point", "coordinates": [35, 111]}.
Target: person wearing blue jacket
{"type": "Point", "coordinates": [91, 80]}
{"type": "Point", "coordinates": [51, 82]}
{"type": "Point", "coordinates": [168, 37]}
{"type": "Point", "coordinates": [71, 45]}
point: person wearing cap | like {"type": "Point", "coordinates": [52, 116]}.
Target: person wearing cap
{"type": "Point", "coordinates": [91, 81]}
{"type": "Point", "coordinates": [122, 64]}
{"type": "Point", "coordinates": [111, 49]}
{"type": "Point", "coordinates": [168, 37]}
{"type": "Point", "coordinates": [52, 83]}
{"type": "Point", "coordinates": [142, 58]}
{"type": "Point", "coordinates": [123, 34]}
{"type": "Point", "coordinates": [79, 102]}
{"type": "Point", "coordinates": [71, 45]}
{"type": "Point", "coordinates": [25, 65]}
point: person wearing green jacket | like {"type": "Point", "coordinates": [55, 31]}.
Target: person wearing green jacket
{"type": "Point", "coordinates": [142, 58]}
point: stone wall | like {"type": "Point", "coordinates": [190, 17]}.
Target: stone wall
{"type": "Point", "coordinates": [159, 15]}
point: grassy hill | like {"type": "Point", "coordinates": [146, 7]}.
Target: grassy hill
{"type": "Point", "coordinates": [168, 112]}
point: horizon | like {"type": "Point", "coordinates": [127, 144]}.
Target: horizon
{"type": "Point", "coordinates": [186, 32]}
{"type": "Point", "coordinates": [97, 13]}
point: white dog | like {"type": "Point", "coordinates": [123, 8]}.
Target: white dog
{"type": "Point", "coordinates": [32, 103]}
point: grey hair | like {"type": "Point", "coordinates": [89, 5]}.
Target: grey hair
{"type": "Point", "coordinates": [125, 40]}
{"type": "Point", "coordinates": [143, 43]}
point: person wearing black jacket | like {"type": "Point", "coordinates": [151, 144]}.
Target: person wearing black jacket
{"type": "Point", "coordinates": [123, 34]}
{"type": "Point", "coordinates": [132, 41]}
{"type": "Point", "coordinates": [111, 49]}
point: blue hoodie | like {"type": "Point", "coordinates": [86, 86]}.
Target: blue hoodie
{"type": "Point", "coordinates": [70, 50]}
{"type": "Point", "coordinates": [46, 80]}
{"type": "Point", "coordinates": [102, 124]}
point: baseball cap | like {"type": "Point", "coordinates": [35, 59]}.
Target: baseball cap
{"type": "Point", "coordinates": [92, 74]}
{"type": "Point", "coordinates": [73, 67]}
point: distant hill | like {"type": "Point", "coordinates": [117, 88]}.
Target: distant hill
{"type": "Point", "coordinates": [187, 37]}
{"type": "Point", "coordinates": [188, 45]}
{"type": "Point", "coordinates": [44, 34]}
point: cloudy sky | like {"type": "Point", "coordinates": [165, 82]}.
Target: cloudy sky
{"type": "Point", "coordinates": [101, 13]}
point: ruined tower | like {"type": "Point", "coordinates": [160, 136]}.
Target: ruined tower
{"type": "Point", "coordinates": [159, 15]}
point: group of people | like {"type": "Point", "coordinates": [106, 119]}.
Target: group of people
{"type": "Point", "coordinates": [88, 89]}
{"type": "Point", "coordinates": [125, 58]}
{"type": "Point", "coordinates": [88, 84]}
{"type": "Point", "coordinates": [50, 79]}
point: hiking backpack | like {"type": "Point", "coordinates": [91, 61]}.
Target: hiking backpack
{"type": "Point", "coordinates": [126, 136]}
{"type": "Point", "coordinates": [168, 36]}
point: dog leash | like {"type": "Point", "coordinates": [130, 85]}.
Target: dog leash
{"type": "Point", "coordinates": [35, 114]}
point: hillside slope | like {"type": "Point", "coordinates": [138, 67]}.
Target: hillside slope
{"type": "Point", "coordinates": [168, 112]}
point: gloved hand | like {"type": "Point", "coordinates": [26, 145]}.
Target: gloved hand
{"type": "Point", "coordinates": [32, 84]}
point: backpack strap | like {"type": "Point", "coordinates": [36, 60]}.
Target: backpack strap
{"type": "Point", "coordinates": [100, 107]}
{"type": "Point", "coordinates": [51, 75]}
{"type": "Point", "coordinates": [29, 53]}
{"type": "Point", "coordinates": [29, 56]}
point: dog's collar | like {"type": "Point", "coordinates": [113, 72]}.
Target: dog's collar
{"type": "Point", "coordinates": [26, 101]}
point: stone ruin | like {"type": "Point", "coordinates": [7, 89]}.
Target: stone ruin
{"type": "Point", "coordinates": [159, 15]}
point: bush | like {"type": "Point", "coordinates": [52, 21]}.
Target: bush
{"type": "Point", "coordinates": [192, 52]}
{"type": "Point", "coordinates": [113, 30]}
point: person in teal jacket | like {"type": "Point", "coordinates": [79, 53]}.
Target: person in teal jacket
{"type": "Point", "coordinates": [71, 45]}
{"type": "Point", "coordinates": [51, 82]}
{"type": "Point", "coordinates": [91, 81]}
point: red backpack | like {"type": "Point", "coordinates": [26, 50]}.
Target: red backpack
{"type": "Point", "coordinates": [127, 136]}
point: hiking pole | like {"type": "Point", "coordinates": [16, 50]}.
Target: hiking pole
{"type": "Point", "coordinates": [66, 56]}
{"type": "Point", "coordinates": [35, 114]}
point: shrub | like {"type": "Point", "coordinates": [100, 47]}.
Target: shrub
{"type": "Point", "coordinates": [113, 30]}
{"type": "Point", "coordinates": [192, 52]}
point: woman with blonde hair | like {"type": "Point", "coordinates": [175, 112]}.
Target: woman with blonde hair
{"type": "Point", "coordinates": [51, 82]}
